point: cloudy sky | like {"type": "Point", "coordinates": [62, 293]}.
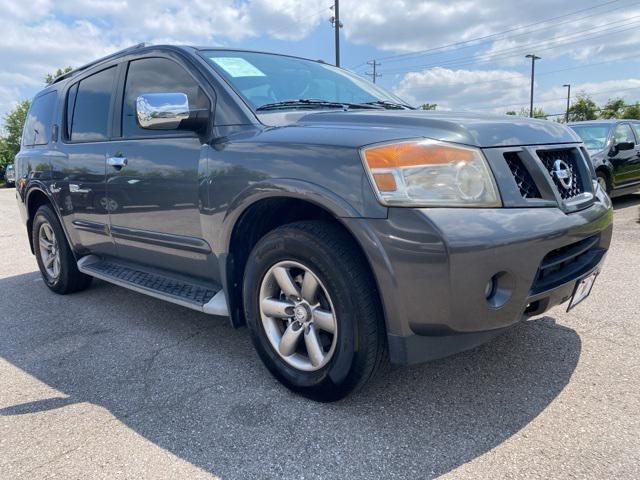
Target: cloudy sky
{"type": "Point", "coordinates": [460, 54]}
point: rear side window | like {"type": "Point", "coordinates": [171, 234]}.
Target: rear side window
{"type": "Point", "coordinates": [37, 126]}
{"type": "Point", "coordinates": [156, 75]}
{"type": "Point", "coordinates": [90, 119]}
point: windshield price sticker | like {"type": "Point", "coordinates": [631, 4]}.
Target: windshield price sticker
{"type": "Point", "coordinates": [237, 67]}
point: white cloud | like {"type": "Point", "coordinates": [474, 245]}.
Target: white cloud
{"type": "Point", "coordinates": [42, 35]}
{"type": "Point", "coordinates": [39, 36]}
{"type": "Point", "coordinates": [407, 26]}
{"type": "Point", "coordinates": [453, 89]}
{"type": "Point", "coordinates": [499, 91]}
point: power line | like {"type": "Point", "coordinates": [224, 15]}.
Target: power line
{"type": "Point", "coordinates": [519, 50]}
{"type": "Point", "coordinates": [543, 73]}
{"type": "Point", "coordinates": [450, 45]}
{"type": "Point", "coordinates": [510, 37]}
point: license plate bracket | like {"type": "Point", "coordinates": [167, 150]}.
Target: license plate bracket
{"type": "Point", "coordinates": [582, 289]}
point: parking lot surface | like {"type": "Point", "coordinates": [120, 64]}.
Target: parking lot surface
{"type": "Point", "coordinates": [109, 383]}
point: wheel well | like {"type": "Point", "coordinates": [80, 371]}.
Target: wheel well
{"type": "Point", "coordinates": [36, 199]}
{"type": "Point", "coordinates": [258, 220]}
{"type": "Point", "coordinates": [607, 174]}
{"type": "Point", "coordinates": [604, 170]}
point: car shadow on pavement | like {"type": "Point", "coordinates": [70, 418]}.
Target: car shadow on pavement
{"type": "Point", "coordinates": [194, 386]}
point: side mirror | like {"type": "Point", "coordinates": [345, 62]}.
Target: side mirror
{"type": "Point", "coordinates": [168, 111]}
{"type": "Point", "coordinates": [620, 146]}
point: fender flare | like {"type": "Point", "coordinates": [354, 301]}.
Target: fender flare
{"type": "Point", "coordinates": [273, 188]}
{"type": "Point", "coordinates": [281, 188]}
{"type": "Point", "coordinates": [41, 188]}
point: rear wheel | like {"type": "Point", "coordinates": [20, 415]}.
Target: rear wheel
{"type": "Point", "coordinates": [313, 311]}
{"type": "Point", "coordinates": [55, 260]}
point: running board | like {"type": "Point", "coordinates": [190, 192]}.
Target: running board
{"type": "Point", "coordinates": [197, 297]}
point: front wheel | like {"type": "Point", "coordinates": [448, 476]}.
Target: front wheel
{"type": "Point", "coordinates": [313, 310]}
{"type": "Point", "coordinates": [603, 181]}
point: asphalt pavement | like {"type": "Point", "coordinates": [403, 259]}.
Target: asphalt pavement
{"type": "Point", "coordinates": [108, 383]}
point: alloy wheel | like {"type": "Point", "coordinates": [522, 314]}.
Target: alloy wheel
{"type": "Point", "coordinates": [49, 251]}
{"type": "Point", "coordinates": [298, 316]}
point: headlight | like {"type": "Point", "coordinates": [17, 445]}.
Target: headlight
{"type": "Point", "coordinates": [430, 173]}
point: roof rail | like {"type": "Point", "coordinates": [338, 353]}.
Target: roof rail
{"type": "Point", "coordinates": [95, 62]}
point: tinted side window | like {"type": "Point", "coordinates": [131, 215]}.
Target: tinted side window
{"type": "Point", "coordinates": [37, 126]}
{"type": "Point", "coordinates": [91, 111]}
{"type": "Point", "coordinates": [623, 133]}
{"type": "Point", "coordinates": [71, 101]}
{"type": "Point", "coordinates": [636, 129]}
{"type": "Point", "coordinates": [156, 75]}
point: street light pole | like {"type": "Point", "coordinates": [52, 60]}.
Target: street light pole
{"type": "Point", "coordinates": [566, 116]}
{"type": "Point", "coordinates": [533, 72]}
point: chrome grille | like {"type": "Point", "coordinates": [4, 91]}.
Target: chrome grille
{"type": "Point", "coordinates": [549, 158]}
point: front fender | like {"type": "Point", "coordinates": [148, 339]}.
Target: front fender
{"type": "Point", "coordinates": [282, 188]}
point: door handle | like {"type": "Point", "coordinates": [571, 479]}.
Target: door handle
{"type": "Point", "coordinates": [117, 162]}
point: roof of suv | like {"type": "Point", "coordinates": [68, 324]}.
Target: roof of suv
{"type": "Point", "coordinates": [141, 46]}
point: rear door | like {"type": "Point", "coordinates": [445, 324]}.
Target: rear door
{"type": "Point", "coordinates": [155, 216]}
{"type": "Point", "coordinates": [87, 129]}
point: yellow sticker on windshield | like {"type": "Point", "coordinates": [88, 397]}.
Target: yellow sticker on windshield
{"type": "Point", "coordinates": [237, 67]}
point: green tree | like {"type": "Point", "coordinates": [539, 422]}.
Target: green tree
{"type": "Point", "coordinates": [538, 112]}
{"type": "Point", "coordinates": [631, 112]}
{"type": "Point", "coordinates": [50, 77]}
{"type": "Point", "coordinates": [511, 112]}
{"type": "Point", "coordinates": [12, 132]}
{"type": "Point", "coordinates": [613, 108]}
{"type": "Point", "coordinates": [428, 106]}
{"type": "Point", "coordinates": [584, 108]}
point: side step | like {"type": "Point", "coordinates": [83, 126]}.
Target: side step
{"type": "Point", "coordinates": [191, 295]}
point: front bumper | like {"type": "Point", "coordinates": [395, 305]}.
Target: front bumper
{"type": "Point", "coordinates": [432, 267]}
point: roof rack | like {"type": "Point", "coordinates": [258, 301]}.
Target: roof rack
{"type": "Point", "coordinates": [95, 62]}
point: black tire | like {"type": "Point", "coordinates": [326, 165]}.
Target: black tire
{"type": "Point", "coordinates": [69, 279]}
{"type": "Point", "coordinates": [604, 178]}
{"type": "Point", "coordinates": [341, 267]}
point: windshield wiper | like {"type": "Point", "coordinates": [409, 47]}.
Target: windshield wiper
{"type": "Point", "coordinates": [313, 103]}
{"type": "Point", "coordinates": [390, 105]}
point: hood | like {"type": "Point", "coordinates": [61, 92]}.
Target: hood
{"type": "Point", "coordinates": [478, 130]}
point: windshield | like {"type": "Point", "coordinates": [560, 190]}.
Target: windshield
{"type": "Point", "coordinates": [593, 136]}
{"type": "Point", "coordinates": [264, 79]}
{"type": "Point", "coordinates": [9, 167]}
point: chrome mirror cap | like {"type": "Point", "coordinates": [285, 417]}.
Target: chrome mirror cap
{"type": "Point", "coordinates": [162, 111]}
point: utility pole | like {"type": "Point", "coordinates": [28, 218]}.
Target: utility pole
{"type": "Point", "coordinates": [533, 71]}
{"type": "Point", "coordinates": [566, 116]}
{"type": "Point", "coordinates": [337, 25]}
{"type": "Point", "coordinates": [374, 73]}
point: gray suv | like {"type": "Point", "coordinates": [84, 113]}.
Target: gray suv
{"type": "Point", "coordinates": [339, 224]}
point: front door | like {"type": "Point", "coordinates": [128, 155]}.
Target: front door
{"type": "Point", "coordinates": [154, 177]}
